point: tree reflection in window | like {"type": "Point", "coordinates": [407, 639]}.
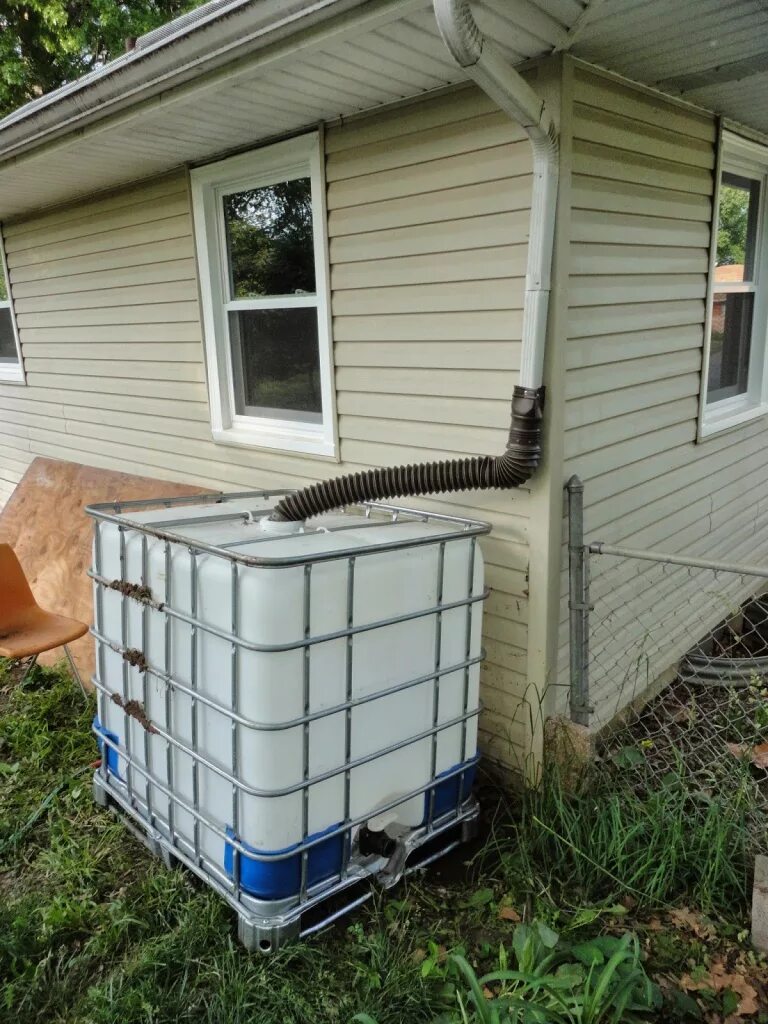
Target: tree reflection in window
{"type": "Point", "coordinates": [269, 240]}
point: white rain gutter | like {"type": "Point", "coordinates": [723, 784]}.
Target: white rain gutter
{"type": "Point", "coordinates": [487, 67]}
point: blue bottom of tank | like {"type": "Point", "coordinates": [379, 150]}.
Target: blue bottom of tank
{"type": "Point", "coordinates": [111, 754]}
{"type": "Point", "coordinates": [452, 791]}
{"type": "Point", "coordinates": [279, 879]}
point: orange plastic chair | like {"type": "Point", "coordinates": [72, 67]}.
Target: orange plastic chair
{"type": "Point", "coordinates": [26, 630]}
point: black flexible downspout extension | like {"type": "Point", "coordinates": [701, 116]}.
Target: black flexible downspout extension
{"type": "Point", "coordinates": [512, 469]}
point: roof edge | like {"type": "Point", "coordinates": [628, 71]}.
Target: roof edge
{"type": "Point", "coordinates": [217, 34]}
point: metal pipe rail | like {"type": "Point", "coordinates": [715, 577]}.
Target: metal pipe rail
{"type": "Point", "coordinates": [599, 548]}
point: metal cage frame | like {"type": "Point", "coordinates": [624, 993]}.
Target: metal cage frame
{"type": "Point", "coordinates": [266, 924]}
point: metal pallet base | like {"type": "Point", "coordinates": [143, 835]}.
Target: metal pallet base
{"type": "Point", "coordinates": [266, 926]}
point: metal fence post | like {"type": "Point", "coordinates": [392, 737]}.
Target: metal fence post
{"type": "Point", "coordinates": [578, 604]}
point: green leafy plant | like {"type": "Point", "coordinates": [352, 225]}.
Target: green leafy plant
{"type": "Point", "coordinates": [601, 981]}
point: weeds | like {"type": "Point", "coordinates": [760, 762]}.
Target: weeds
{"type": "Point", "coordinates": [656, 844]}
{"type": "Point", "coordinates": [94, 931]}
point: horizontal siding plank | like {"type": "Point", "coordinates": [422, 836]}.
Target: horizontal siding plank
{"type": "Point", "coordinates": [140, 352]}
{"type": "Point", "coordinates": [593, 409]}
{"type": "Point", "coordinates": [626, 101]}
{"type": "Point", "coordinates": [139, 258]}
{"type": "Point", "coordinates": [124, 369]}
{"type": "Point", "coordinates": [107, 223]}
{"type": "Point", "coordinates": [149, 275]}
{"type": "Point", "coordinates": [584, 439]}
{"type": "Point", "coordinates": [589, 381]}
{"type": "Point", "coordinates": [605, 161]}
{"type": "Point", "coordinates": [479, 384]}
{"type": "Point", "coordinates": [624, 453]}
{"type": "Point", "coordinates": [496, 163]}
{"type": "Point", "coordinates": [476, 200]}
{"type": "Point", "coordinates": [590, 193]}
{"type": "Point", "coordinates": [611, 348]}
{"type": "Point", "coordinates": [160, 312]}
{"type": "Point", "coordinates": [177, 390]}
{"type": "Point", "coordinates": [111, 298]}
{"type": "Point", "coordinates": [141, 235]}
{"type": "Point", "coordinates": [461, 439]}
{"type": "Point", "coordinates": [604, 290]}
{"type": "Point", "coordinates": [588, 321]}
{"type": "Point", "coordinates": [620, 132]}
{"type": "Point", "coordinates": [455, 297]}
{"type": "Point", "coordinates": [612, 258]}
{"type": "Point", "coordinates": [425, 408]}
{"type": "Point", "coordinates": [170, 185]}
{"type": "Point", "coordinates": [475, 355]}
{"type": "Point", "coordinates": [478, 133]}
{"type": "Point", "coordinates": [471, 265]}
{"type": "Point", "coordinates": [467, 233]}
{"type": "Point", "coordinates": [406, 120]}
{"type": "Point", "coordinates": [640, 508]}
{"type": "Point", "coordinates": [148, 333]}
{"type": "Point", "coordinates": [493, 325]}
{"type": "Point", "coordinates": [600, 226]}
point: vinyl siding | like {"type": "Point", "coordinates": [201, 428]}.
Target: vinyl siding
{"type": "Point", "coordinates": [428, 221]}
{"type": "Point", "coordinates": [642, 182]}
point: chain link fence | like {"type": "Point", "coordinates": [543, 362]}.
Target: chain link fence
{"type": "Point", "coordinates": [669, 664]}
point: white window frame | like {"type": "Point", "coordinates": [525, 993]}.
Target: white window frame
{"type": "Point", "coordinates": [743, 157]}
{"type": "Point", "coordinates": [10, 373]}
{"type": "Point", "coordinates": [298, 157]}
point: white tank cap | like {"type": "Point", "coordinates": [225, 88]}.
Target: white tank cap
{"type": "Point", "coordinates": [280, 528]}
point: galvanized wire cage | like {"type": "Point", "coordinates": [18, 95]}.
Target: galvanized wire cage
{"type": "Point", "coordinates": [176, 673]}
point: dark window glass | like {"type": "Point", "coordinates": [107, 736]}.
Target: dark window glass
{"type": "Point", "coordinates": [730, 344]}
{"type": "Point", "coordinates": [7, 340]}
{"type": "Point", "coordinates": [269, 240]}
{"type": "Point", "coordinates": [276, 363]}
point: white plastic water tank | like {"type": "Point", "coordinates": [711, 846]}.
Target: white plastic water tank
{"type": "Point", "coordinates": [269, 692]}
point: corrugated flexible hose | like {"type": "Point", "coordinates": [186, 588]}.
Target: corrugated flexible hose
{"type": "Point", "coordinates": [511, 469]}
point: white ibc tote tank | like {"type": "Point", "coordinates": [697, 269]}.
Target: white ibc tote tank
{"type": "Point", "coordinates": [268, 690]}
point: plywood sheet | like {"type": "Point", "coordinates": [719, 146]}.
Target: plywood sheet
{"type": "Point", "coordinates": [45, 523]}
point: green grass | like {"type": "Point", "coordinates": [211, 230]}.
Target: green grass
{"type": "Point", "coordinates": [658, 843]}
{"type": "Point", "coordinates": [94, 930]}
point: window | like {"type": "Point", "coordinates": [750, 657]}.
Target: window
{"type": "Point", "coordinates": [11, 369]}
{"type": "Point", "coordinates": [260, 228]}
{"type": "Point", "coordinates": [735, 378]}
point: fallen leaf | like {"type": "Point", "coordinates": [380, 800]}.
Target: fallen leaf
{"type": "Point", "coordinates": [509, 914]}
{"type": "Point", "coordinates": [717, 979]}
{"type": "Point", "coordinates": [693, 922]}
{"type": "Point", "coordinates": [738, 749]}
{"type": "Point", "coordinates": [757, 755]}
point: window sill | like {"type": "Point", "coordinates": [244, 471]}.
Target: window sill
{"type": "Point", "coordinates": [729, 417]}
{"type": "Point", "coordinates": [296, 441]}
{"type": "Point", "coordinates": [12, 375]}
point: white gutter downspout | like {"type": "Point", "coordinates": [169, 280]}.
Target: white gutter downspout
{"type": "Point", "coordinates": [487, 67]}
